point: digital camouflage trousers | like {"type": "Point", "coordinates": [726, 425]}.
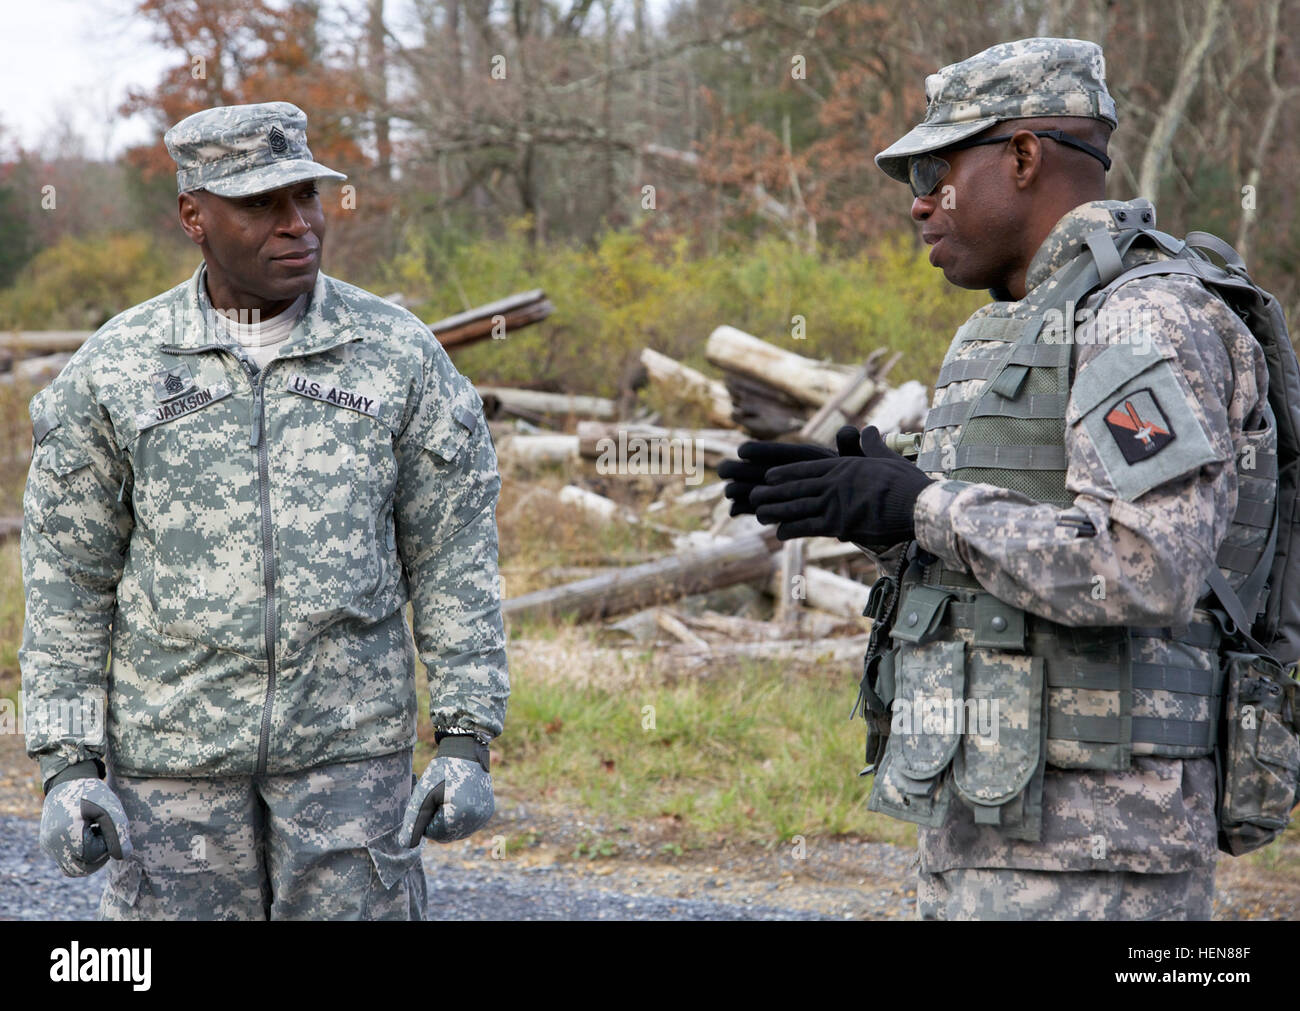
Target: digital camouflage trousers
{"type": "Point", "coordinates": [999, 893]}
{"type": "Point", "coordinates": [319, 844]}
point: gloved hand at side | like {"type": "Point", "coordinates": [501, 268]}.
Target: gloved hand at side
{"type": "Point", "coordinates": [453, 799]}
{"type": "Point", "coordinates": [866, 499]}
{"type": "Point", "coordinates": [756, 458]}
{"type": "Point", "coordinates": [82, 825]}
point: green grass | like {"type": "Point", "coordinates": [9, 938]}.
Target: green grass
{"type": "Point", "coordinates": [11, 617]}
{"type": "Point", "coordinates": [753, 754]}
{"type": "Point", "coordinates": [1281, 855]}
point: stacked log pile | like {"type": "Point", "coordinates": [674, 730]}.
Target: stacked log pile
{"type": "Point", "coordinates": [669, 599]}
{"type": "Point", "coordinates": [819, 586]}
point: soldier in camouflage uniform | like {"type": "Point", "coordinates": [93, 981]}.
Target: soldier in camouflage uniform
{"type": "Point", "coordinates": [237, 513]}
{"type": "Point", "coordinates": [1071, 492]}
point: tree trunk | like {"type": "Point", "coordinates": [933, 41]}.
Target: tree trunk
{"type": "Point", "coordinates": [1166, 126]}
{"type": "Point", "coordinates": [680, 378]}
{"type": "Point", "coordinates": [377, 72]}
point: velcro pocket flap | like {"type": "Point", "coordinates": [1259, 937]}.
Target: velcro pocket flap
{"type": "Point", "coordinates": [449, 424]}
{"type": "Point", "coordinates": [998, 625]}
{"type": "Point", "coordinates": [896, 794]}
{"type": "Point", "coordinates": [61, 457]}
{"type": "Point", "coordinates": [927, 707]}
{"type": "Point", "coordinates": [1109, 370]}
{"type": "Point", "coordinates": [1002, 739]}
{"type": "Point", "coordinates": [921, 613]}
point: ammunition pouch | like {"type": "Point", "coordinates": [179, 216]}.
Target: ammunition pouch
{"type": "Point", "coordinates": [1259, 763]}
{"type": "Point", "coordinates": [985, 697]}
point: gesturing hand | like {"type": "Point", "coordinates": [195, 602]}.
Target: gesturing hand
{"type": "Point", "coordinates": [867, 499]}
{"type": "Point", "coordinates": [757, 458]}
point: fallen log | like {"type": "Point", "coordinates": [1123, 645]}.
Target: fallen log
{"type": "Point", "coordinates": [38, 371]}
{"type": "Point", "coordinates": [791, 575]}
{"type": "Point", "coordinates": [539, 448]}
{"type": "Point", "coordinates": [495, 319]}
{"type": "Point", "coordinates": [607, 510]}
{"type": "Point", "coordinates": [634, 448]}
{"type": "Point", "coordinates": [680, 378]}
{"type": "Point", "coordinates": [761, 411]}
{"type": "Point", "coordinates": [809, 382]}
{"type": "Point", "coordinates": [711, 568]}
{"type": "Point", "coordinates": [859, 390]}
{"type": "Point", "coordinates": [556, 659]}
{"type": "Point", "coordinates": [43, 342]}
{"type": "Point", "coordinates": [813, 623]}
{"type": "Point", "coordinates": [823, 590]}
{"type": "Point", "coordinates": [531, 404]}
{"type": "Point", "coordinates": [901, 409]}
{"type": "Point", "coordinates": [699, 496]}
{"type": "Point", "coordinates": [843, 650]}
{"type": "Point", "coordinates": [674, 627]}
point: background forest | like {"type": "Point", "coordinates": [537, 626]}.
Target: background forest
{"type": "Point", "coordinates": [658, 168]}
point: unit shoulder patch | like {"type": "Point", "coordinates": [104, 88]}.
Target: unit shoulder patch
{"type": "Point", "coordinates": [1147, 433]}
{"type": "Point", "coordinates": [1138, 426]}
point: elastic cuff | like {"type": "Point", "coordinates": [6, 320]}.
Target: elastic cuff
{"type": "Point", "coordinates": [932, 513]}
{"type": "Point", "coordinates": [465, 746]}
{"type": "Point", "coordinates": [91, 769]}
{"type": "Point", "coordinates": [440, 732]}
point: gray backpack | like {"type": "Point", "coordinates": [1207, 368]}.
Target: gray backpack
{"type": "Point", "coordinates": [1259, 744]}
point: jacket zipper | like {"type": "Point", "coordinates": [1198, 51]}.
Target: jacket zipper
{"type": "Point", "coordinates": [256, 440]}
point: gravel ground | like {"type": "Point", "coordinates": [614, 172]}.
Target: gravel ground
{"type": "Point", "coordinates": [465, 883]}
{"type": "Point", "coordinates": [567, 865]}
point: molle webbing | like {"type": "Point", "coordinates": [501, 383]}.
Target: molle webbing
{"type": "Point", "coordinates": [1110, 692]}
{"type": "Point", "coordinates": [1093, 675]}
{"type": "Point", "coordinates": [1013, 430]}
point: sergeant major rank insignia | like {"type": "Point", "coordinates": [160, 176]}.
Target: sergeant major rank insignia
{"type": "Point", "coordinates": [1138, 426]}
{"type": "Point", "coordinates": [171, 383]}
{"type": "Point", "coordinates": [277, 141]}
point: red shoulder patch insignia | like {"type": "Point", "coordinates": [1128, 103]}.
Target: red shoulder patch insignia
{"type": "Point", "coordinates": [1138, 426]}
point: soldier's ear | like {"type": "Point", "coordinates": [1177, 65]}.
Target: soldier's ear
{"type": "Point", "coordinates": [190, 208]}
{"type": "Point", "coordinates": [1028, 150]}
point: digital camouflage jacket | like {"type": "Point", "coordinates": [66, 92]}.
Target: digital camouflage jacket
{"type": "Point", "coordinates": [243, 544]}
{"type": "Point", "coordinates": [1150, 535]}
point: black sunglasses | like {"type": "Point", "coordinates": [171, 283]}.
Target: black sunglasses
{"type": "Point", "coordinates": [924, 171]}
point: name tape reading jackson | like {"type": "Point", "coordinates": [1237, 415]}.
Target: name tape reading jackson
{"type": "Point", "coordinates": [181, 406]}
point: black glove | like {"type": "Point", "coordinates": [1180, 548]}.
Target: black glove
{"type": "Point", "coordinates": [756, 458]}
{"type": "Point", "coordinates": [867, 499]}
{"type": "Point", "coordinates": [870, 443]}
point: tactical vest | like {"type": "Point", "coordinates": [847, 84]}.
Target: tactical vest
{"type": "Point", "coordinates": [1069, 697]}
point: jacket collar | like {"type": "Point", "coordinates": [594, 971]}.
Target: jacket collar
{"type": "Point", "coordinates": [1068, 236]}
{"type": "Point", "coordinates": [326, 322]}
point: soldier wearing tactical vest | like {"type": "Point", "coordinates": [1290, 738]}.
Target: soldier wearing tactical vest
{"type": "Point", "coordinates": [235, 490]}
{"type": "Point", "coordinates": [1077, 479]}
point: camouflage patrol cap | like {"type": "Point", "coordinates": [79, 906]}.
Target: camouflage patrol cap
{"type": "Point", "coordinates": [240, 150]}
{"type": "Point", "coordinates": [1013, 80]}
